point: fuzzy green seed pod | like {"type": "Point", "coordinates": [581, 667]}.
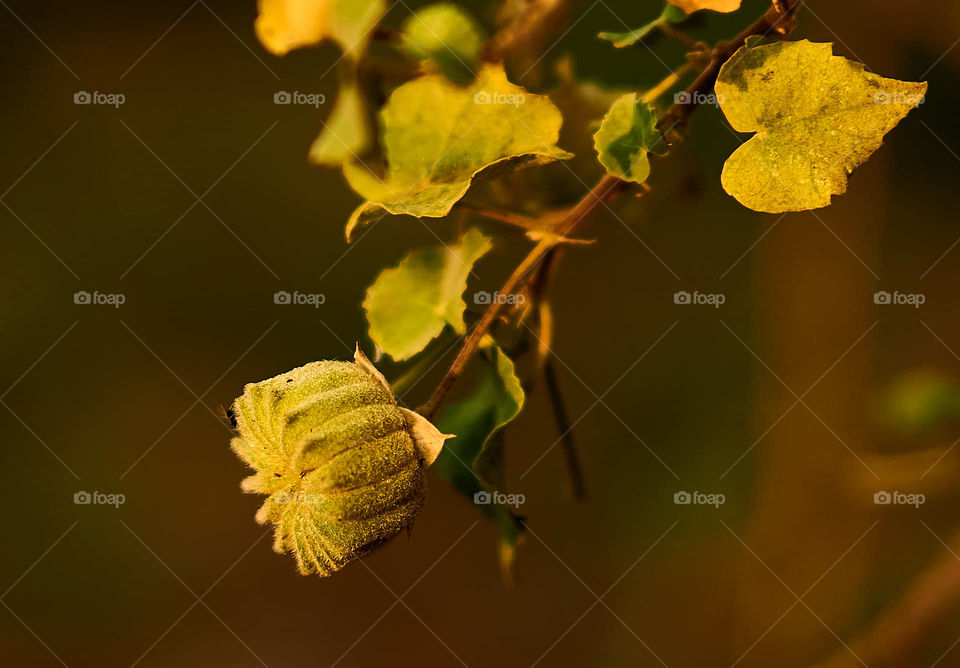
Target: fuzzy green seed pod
{"type": "Point", "coordinates": [341, 462]}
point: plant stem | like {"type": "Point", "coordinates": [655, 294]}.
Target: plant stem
{"type": "Point", "coordinates": [679, 35]}
{"type": "Point", "coordinates": [577, 484]}
{"type": "Point", "coordinates": [669, 82]}
{"type": "Point", "coordinates": [607, 189]}
{"type": "Point", "coordinates": [778, 18]}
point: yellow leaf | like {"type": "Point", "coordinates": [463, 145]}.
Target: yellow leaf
{"type": "Point", "coordinates": [439, 137]}
{"type": "Point", "coordinates": [345, 134]}
{"type": "Point", "coordinates": [817, 117]}
{"type": "Point", "coordinates": [691, 6]}
{"type": "Point", "coordinates": [284, 25]}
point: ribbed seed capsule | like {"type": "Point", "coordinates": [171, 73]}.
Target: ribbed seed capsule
{"type": "Point", "coordinates": [341, 462]}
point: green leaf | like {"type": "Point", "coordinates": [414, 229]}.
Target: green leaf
{"type": "Point", "coordinates": [439, 137]}
{"type": "Point", "coordinates": [473, 460]}
{"type": "Point", "coordinates": [410, 304]}
{"type": "Point", "coordinates": [284, 25]}
{"type": "Point", "coordinates": [627, 134]}
{"type": "Point", "coordinates": [446, 35]}
{"type": "Point", "coordinates": [620, 40]}
{"type": "Point", "coordinates": [346, 133]}
{"type": "Point", "coordinates": [817, 117]}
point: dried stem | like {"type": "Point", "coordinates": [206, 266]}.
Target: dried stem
{"type": "Point", "coordinates": [608, 188]}
{"type": "Point", "coordinates": [577, 484]}
{"type": "Point", "coordinates": [779, 19]}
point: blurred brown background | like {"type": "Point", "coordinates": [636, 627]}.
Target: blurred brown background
{"type": "Point", "coordinates": [124, 400]}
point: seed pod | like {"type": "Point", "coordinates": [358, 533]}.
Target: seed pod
{"type": "Point", "coordinates": [341, 462]}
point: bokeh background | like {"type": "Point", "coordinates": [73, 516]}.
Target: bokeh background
{"type": "Point", "coordinates": [195, 200]}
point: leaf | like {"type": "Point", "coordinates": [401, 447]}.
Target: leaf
{"type": "Point", "coordinates": [583, 104]}
{"type": "Point", "coordinates": [473, 460]}
{"type": "Point", "coordinates": [627, 134]}
{"type": "Point", "coordinates": [691, 6]}
{"type": "Point", "coordinates": [410, 304]}
{"type": "Point", "coordinates": [439, 137]}
{"type": "Point", "coordinates": [346, 134]}
{"type": "Point", "coordinates": [284, 25]}
{"type": "Point", "coordinates": [670, 14]}
{"type": "Point", "coordinates": [446, 35]}
{"type": "Point", "coordinates": [817, 117]}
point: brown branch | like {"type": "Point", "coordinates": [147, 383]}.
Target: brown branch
{"type": "Point", "coordinates": [607, 189]}
{"type": "Point", "coordinates": [577, 484]}
{"type": "Point", "coordinates": [778, 19]}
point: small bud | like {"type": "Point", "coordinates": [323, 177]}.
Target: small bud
{"type": "Point", "coordinates": [341, 462]}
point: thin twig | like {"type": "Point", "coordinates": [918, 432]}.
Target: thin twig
{"type": "Point", "coordinates": [578, 487]}
{"type": "Point", "coordinates": [607, 189]}
{"type": "Point", "coordinates": [680, 36]}
{"type": "Point", "coordinates": [669, 82]}
{"type": "Point", "coordinates": [778, 19]}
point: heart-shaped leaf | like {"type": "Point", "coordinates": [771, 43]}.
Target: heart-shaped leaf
{"type": "Point", "coordinates": [817, 117]}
